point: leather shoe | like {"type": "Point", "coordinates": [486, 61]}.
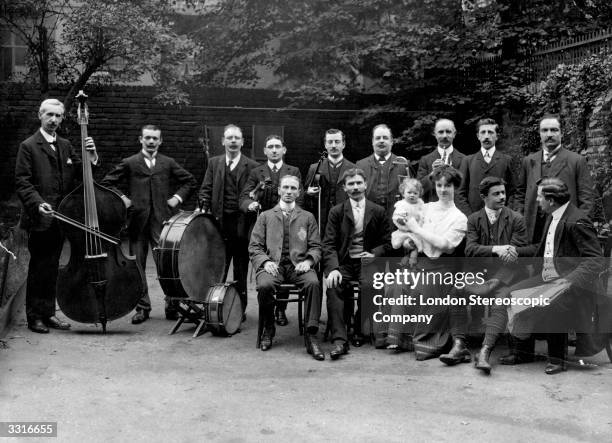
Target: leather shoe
{"type": "Point", "coordinates": [56, 323]}
{"type": "Point", "coordinates": [553, 368]}
{"type": "Point", "coordinates": [358, 340]}
{"type": "Point", "coordinates": [482, 360]}
{"type": "Point", "coordinates": [140, 316]}
{"type": "Point", "coordinates": [243, 317]}
{"type": "Point", "coordinates": [340, 348]}
{"type": "Point", "coordinates": [38, 326]}
{"type": "Point", "coordinates": [266, 340]}
{"type": "Point", "coordinates": [281, 318]}
{"type": "Point", "coordinates": [459, 353]}
{"type": "Point", "coordinates": [314, 349]}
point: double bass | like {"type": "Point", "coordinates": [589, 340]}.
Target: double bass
{"type": "Point", "coordinates": [99, 283]}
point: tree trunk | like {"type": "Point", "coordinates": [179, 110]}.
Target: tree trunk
{"type": "Point", "coordinates": [77, 86]}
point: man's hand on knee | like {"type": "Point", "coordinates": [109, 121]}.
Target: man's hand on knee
{"type": "Point", "coordinates": [271, 268]}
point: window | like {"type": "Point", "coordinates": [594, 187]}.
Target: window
{"type": "Point", "coordinates": [13, 55]}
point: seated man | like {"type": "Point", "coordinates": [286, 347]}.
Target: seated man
{"type": "Point", "coordinates": [355, 229]}
{"type": "Point", "coordinates": [497, 234]}
{"type": "Point", "coordinates": [571, 256]}
{"type": "Point", "coordinates": [284, 247]}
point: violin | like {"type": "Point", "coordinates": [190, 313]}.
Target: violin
{"type": "Point", "coordinates": [99, 283]}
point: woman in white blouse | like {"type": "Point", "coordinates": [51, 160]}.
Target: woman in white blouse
{"type": "Point", "coordinates": [443, 230]}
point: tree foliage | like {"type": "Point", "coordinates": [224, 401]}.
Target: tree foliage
{"type": "Point", "coordinates": [102, 41]}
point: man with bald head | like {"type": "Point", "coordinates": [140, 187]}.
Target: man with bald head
{"type": "Point", "coordinates": [383, 169]}
{"type": "Point", "coordinates": [444, 154]}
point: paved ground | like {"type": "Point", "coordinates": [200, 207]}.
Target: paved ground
{"type": "Point", "coordinates": [139, 384]}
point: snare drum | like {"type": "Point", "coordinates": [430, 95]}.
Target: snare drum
{"type": "Point", "coordinates": [223, 309]}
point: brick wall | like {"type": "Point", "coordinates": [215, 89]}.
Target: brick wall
{"type": "Point", "coordinates": [117, 113]}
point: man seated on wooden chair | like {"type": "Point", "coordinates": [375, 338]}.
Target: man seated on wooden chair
{"type": "Point", "coordinates": [571, 256]}
{"type": "Point", "coordinates": [496, 237]}
{"type": "Point", "coordinates": [355, 229]}
{"type": "Point", "coordinates": [284, 248]}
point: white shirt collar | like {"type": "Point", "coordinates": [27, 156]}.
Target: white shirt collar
{"type": "Point", "coordinates": [335, 163]}
{"type": "Point", "coordinates": [50, 138]}
{"type": "Point", "coordinates": [386, 156]}
{"type": "Point", "coordinates": [286, 206]}
{"type": "Point", "coordinates": [448, 150]}
{"type": "Point", "coordinates": [491, 151]}
{"type": "Point", "coordinates": [147, 155]}
{"type": "Point", "coordinates": [354, 203]}
{"type": "Point", "coordinates": [278, 165]}
{"type": "Point", "coordinates": [558, 213]}
{"type": "Point", "coordinates": [492, 214]}
{"type": "Point", "coordinates": [235, 159]}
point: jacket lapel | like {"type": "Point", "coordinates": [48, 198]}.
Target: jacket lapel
{"type": "Point", "coordinates": [536, 166]}
{"type": "Point", "coordinates": [558, 163]}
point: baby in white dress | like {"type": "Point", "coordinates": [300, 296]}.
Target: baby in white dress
{"type": "Point", "coordinates": [410, 206]}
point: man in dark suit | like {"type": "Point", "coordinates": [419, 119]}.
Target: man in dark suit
{"type": "Point", "coordinates": [284, 247]}
{"type": "Point", "coordinates": [496, 235]}
{"type": "Point", "coordinates": [356, 229]}
{"type": "Point", "coordinates": [571, 256]}
{"type": "Point", "coordinates": [383, 169]}
{"type": "Point", "coordinates": [225, 177]}
{"type": "Point", "coordinates": [330, 172]}
{"type": "Point", "coordinates": [489, 161]}
{"type": "Point", "coordinates": [444, 154]}
{"type": "Point", "coordinates": [144, 180]}
{"type": "Point", "coordinates": [46, 170]}
{"type": "Point", "coordinates": [261, 190]}
{"type": "Point", "coordinates": [552, 161]}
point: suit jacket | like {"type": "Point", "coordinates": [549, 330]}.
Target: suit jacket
{"type": "Point", "coordinates": [473, 169]}
{"type": "Point", "coordinates": [213, 185]}
{"type": "Point", "coordinates": [429, 190]}
{"type": "Point", "coordinates": [568, 166]}
{"type": "Point", "coordinates": [267, 237]}
{"type": "Point", "coordinates": [42, 175]}
{"type": "Point", "coordinates": [510, 231]}
{"type": "Point", "coordinates": [372, 169]}
{"type": "Point", "coordinates": [149, 188]}
{"type": "Point", "coordinates": [341, 228]}
{"type": "Point", "coordinates": [577, 254]}
{"type": "Point", "coordinates": [267, 198]}
{"type": "Point", "coordinates": [310, 202]}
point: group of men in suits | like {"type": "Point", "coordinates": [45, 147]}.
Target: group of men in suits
{"type": "Point", "coordinates": [353, 203]}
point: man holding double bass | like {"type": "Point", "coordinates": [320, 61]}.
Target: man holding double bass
{"type": "Point", "coordinates": [46, 170]}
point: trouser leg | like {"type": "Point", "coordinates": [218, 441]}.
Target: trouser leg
{"type": "Point", "coordinates": [45, 248]}
{"type": "Point", "coordinates": [139, 246]}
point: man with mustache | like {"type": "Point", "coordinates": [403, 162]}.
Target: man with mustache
{"type": "Point", "coordinates": [383, 169]}
{"type": "Point", "coordinates": [552, 161]}
{"type": "Point", "coordinates": [488, 161]}
{"type": "Point", "coordinates": [496, 235]}
{"type": "Point", "coordinates": [261, 191]}
{"type": "Point", "coordinates": [356, 229]}
{"type": "Point", "coordinates": [225, 178]}
{"type": "Point", "coordinates": [330, 172]}
{"type": "Point", "coordinates": [444, 154]}
{"type": "Point", "coordinates": [284, 247]}
{"type": "Point", "coordinates": [46, 170]}
{"type": "Point", "coordinates": [143, 180]}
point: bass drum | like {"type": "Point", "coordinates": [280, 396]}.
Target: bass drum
{"type": "Point", "coordinates": [190, 256]}
{"type": "Point", "coordinates": [223, 309]}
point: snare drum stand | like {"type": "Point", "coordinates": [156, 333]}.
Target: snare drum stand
{"type": "Point", "coordinates": [190, 311]}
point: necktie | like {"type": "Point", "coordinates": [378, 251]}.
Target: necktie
{"type": "Point", "coordinates": [51, 145]}
{"type": "Point", "coordinates": [288, 212]}
{"type": "Point", "coordinates": [274, 169]}
{"type": "Point", "coordinates": [445, 157]}
{"type": "Point", "coordinates": [229, 164]}
{"type": "Point", "coordinates": [547, 157]}
{"type": "Point", "coordinates": [381, 160]}
{"type": "Point", "coordinates": [487, 157]}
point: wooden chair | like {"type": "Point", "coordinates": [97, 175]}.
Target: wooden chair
{"type": "Point", "coordinates": [294, 295]}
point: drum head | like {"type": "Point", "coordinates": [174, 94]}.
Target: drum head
{"type": "Point", "coordinates": [201, 259]}
{"type": "Point", "coordinates": [232, 310]}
